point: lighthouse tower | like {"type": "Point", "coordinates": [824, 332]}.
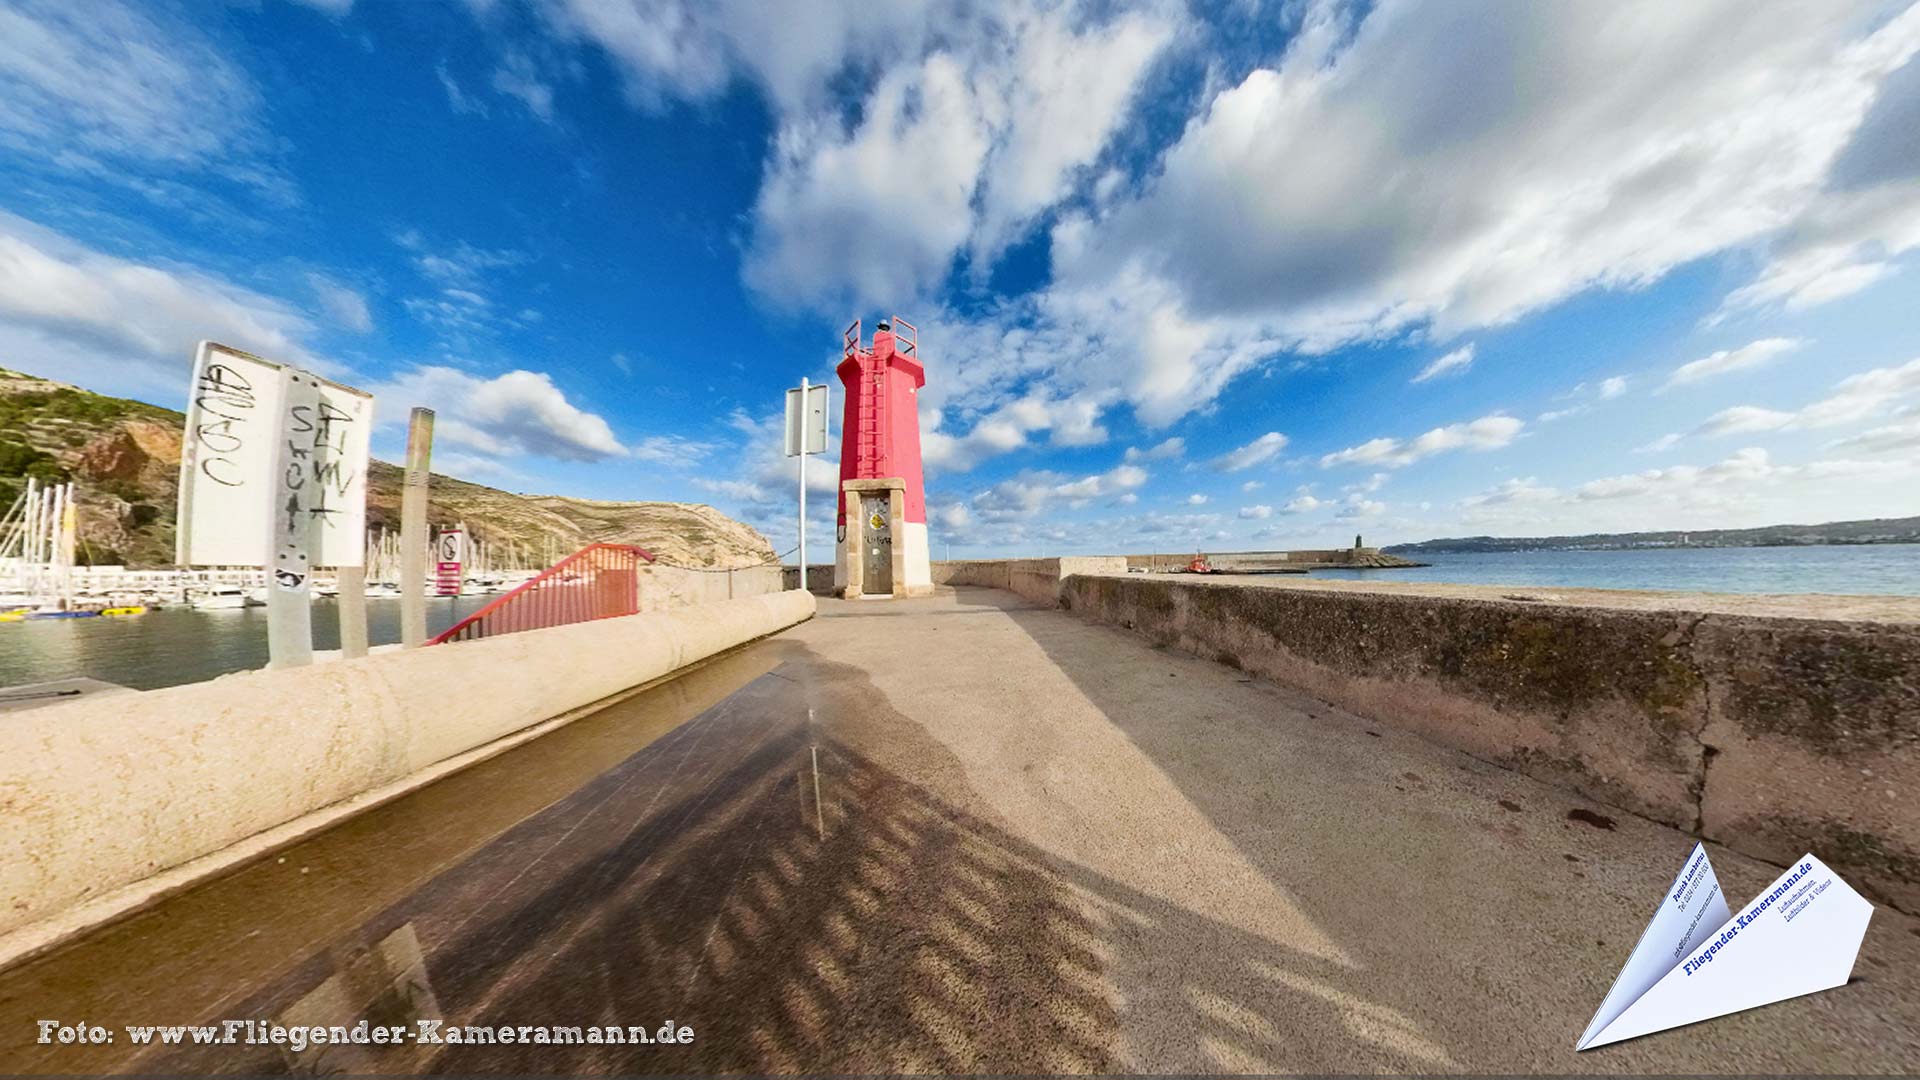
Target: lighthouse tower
{"type": "Point", "coordinates": [882, 533]}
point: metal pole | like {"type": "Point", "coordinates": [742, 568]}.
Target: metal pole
{"type": "Point", "coordinates": [413, 530]}
{"type": "Point", "coordinates": [803, 483]}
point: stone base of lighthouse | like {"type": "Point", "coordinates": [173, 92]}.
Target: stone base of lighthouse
{"type": "Point", "coordinates": [881, 554]}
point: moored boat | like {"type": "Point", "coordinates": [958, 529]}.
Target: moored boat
{"type": "Point", "coordinates": [222, 600]}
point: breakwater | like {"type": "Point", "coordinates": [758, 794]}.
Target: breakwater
{"type": "Point", "coordinates": [1771, 727]}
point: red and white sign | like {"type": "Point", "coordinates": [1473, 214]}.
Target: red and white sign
{"type": "Point", "coordinates": [449, 550]}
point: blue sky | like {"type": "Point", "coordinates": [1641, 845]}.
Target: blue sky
{"type": "Point", "coordinates": [1211, 275]}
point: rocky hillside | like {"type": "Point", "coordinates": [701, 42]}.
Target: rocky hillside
{"type": "Point", "coordinates": [124, 458]}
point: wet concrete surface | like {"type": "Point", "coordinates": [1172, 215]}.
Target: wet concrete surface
{"type": "Point", "coordinates": [1033, 845]}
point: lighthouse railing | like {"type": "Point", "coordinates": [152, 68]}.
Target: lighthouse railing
{"type": "Point", "coordinates": [907, 341]}
{"type": "Point", "coordinates": [600, 581]}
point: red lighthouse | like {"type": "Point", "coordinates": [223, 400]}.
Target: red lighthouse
{"type": "Point", "coordinates": [882, 533]}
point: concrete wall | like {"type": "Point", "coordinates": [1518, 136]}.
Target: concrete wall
{"type": "Point", "coordinates": [1038, 580]}
{"type": "Point", "coordinates": [1773, 736]}
{"type": "Point", "coordinates": [663, 587]}
{"type": "Point", "coordinates": [99, 794]}
{"type": "Point", "coordinates": [819, 578]}
{"type": "Point", "coordinates": [1231, 560]}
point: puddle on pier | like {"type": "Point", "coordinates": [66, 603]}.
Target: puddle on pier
{"type": "Point", "coordinates": [661, 861]}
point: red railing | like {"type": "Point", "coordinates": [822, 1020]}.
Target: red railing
{"type": "Point", "coordinates": [600, 581]}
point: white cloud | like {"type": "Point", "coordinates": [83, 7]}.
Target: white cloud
{"type": "Point", "coordinates": [1660, 445]}
{"type": "Point", "coordinates": [1255, 512]}
{"type": "Point", "coordinates": [519, 412]}
{"type": "Point", "coordinates": [1165, 451]}
{"type": "Point", "coordinates": [1070, 422]}
{"type": "Point", "coordinates": [122, 93]}
{"type": "Point", "coordinates": [1744, 489]}
{"type": "Point", "coordinates": [1356, 506]}
{"type": "Point", "coordinates": [1030, 494]}
{"type": "Point", "coordinates": [459, 265]}
{"type": "Point", "coordinates": [1513, 491]}
{"type": "Point", "coordinates": [1542, 173]}
{"type": "Point", "coordinates": [1226, 251]}
{"type": "Point", "coordinates": [1252, 485]}
{"type": "Point", "coordinates": [1854, 398]}
{"type": "Point", "coordinates": [1453, 363]}
{"type": "Point", "coordinates": [678, 450]}
{"type": "Point", "coordinates": [1890, 437]}
{"type": "Point", "coordinates": [1752, 355]}
{"type": "Point", "coordinates": [73, 300]}
{"type": "Point", "coordinates": [967, 134]}
{"type": "Point", "coordinates": [1305, 504]}
{"type": "Point", "coordinates": [457, 98]}
{"type": "Point", "coordinates": [343, 305]}
{"type": "Point", "coordinates": [763, 487]}
{"type": "Point", "coordinates": [1486, 433]}
{"type": "Point", "coordinates": [1196, 499]}
{"type": "Point", "coordinates": [1745, 418]}
{"type": "Point", "coordinates": [1257, 452]}
{"type": "Point", "coordinates": [518, 78]}
{"type": "Point", "coordinates": [1585, 395]}
{"type": "Point", "coordinates": [1845, 243]}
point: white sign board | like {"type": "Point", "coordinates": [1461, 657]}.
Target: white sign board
{"type": "Point", "coordinates": [807, 418]}
{"type": "Point", "coordinates": [227, 459]}
{"type": "Point", "coordinates": [328, 441]}
{"type": "Point", "coordinates": [449, 551]}
{"type": "Point", "coordinates": [270, 454]}
{"type": "Point", "coordinates": [1695, 961]}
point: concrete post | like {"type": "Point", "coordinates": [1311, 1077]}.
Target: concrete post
{"type": "Point", "coordinates": [413, 530]}
{"type": "Point", "coordinates": [290, 567]}
{"type": "Point", "coordinates": [352, 609]}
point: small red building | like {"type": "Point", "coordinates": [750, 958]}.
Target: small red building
{"type": "Point", "coordinates": [882, 523]}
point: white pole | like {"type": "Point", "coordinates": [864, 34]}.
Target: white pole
{"type": "Point", "coordinates": [30, 540]}
{"type": "Point", "coordinates": [803, 483]}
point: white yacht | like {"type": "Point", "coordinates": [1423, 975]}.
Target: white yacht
{"type": "Point", "coordinates": [222, 599]}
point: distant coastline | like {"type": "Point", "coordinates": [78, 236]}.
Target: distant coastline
{"type": "Point", "coordinates": [1904, 530]}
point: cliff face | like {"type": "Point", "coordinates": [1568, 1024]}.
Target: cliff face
{"type": "Point", "coordinates": [124, 459]}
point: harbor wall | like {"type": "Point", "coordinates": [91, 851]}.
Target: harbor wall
{"type": "Point", "coordinates": [819, 578]}
{"type": "Point", "coordinates": [1298, 560]}
{"type": "Point", "coordinates": [1039, 580]}
{"type": "Point", "coordinates": [1774, 736]}
{"type": "Point", "coordinates": [100, 799]}
{"type": "Point", "coordinates": [663, 587]}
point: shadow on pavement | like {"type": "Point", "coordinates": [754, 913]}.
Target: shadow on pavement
{"type": "Point", "coordinates": [877, 926]}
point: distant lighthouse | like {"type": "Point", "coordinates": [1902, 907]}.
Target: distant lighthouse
{"type": "Point", "coordinates": [882, 533]}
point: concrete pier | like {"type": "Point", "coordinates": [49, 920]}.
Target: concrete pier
{"type": "Point", "coordinates": [1033, 843]}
